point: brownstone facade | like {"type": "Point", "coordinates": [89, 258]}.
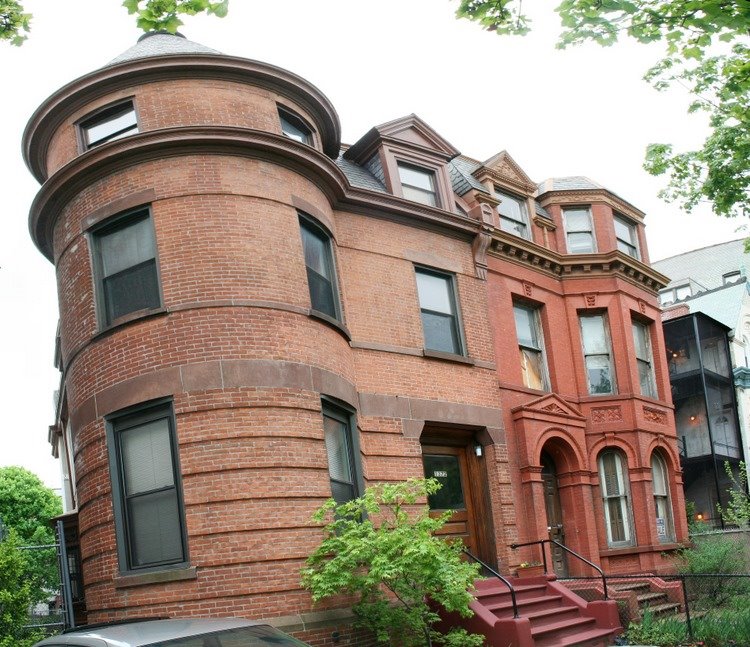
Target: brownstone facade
{"type": "Point", "coordinates": [234, 358]}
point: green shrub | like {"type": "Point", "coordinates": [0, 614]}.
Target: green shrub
{"type": "Point", "coordinates": [663, 632]}
{"type": "Point", "coordinates": [383, 552]}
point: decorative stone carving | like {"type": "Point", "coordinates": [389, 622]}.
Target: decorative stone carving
{"type": "Point", "coordinates": [528, 288]}
{"type": "Point", "coordinates": [590, 300]}
{"type": "Point", "coordinates": [479, 248]}
{"type": "Point", "coordinates": [642, 306]}
{"type": "Point", "coordinates": [655, 415]}
{"type": "Point", "coordinates": [554, 408]}
{"type": "Point", "coordinates": [606, 414]}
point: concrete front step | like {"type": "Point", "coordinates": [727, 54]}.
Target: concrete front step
{"type": "Point", "coordinates": [663, 609]}
{"type": "Point", "coordinates": [525, 607]}
{"type": "Point", "coordinates": [645, 599]}
{"type": "Point", "coordinates": [631, 586]}
{"type": "Point", "coordinates": [591, 638]}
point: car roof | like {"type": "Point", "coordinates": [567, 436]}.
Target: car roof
{"type": "Point", "coordinates": [144, 632]}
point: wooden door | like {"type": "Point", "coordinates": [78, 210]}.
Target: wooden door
{"type": "Point", "coordinates": [553, 508]}
{"type": "Point", "coordinates": [448, 466]}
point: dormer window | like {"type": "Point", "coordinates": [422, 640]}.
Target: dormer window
{"type": "Point", "coordinates": [514, 217]}
{"type": "Point", "coordinates": [293, 127]}
{"type": "Point", "coordinates": [418, 184]}
{"type": "Point", "coordinates": [627, 236]}
{"type": "Point", "coordinates": [109, 124]}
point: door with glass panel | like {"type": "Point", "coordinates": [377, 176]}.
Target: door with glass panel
{"type": "Point", "coordinates": [447, 465]}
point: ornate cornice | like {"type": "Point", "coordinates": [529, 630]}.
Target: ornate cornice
{"type": "Point", "coordinates": [524, 252]}
{"type": "Point", "coordinates": [483, 173]}
{"type": "Point", "coordinates": [171, 142]}
{"type": "Point", "coordinates": [588, 196]}
{"type": "Point", "coordinates": [76, 94]}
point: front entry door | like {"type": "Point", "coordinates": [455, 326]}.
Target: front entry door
{"type": "Point", "coordinates": [448, 466]}
{"type": "Point", "coordinates": [554, 516]}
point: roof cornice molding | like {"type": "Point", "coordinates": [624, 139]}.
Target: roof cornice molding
{"type": "Point", "coordinates": [171, 142]}
{"type": "Point", "coordinates": [581, 196]}
{"type": "Point", "coordinates": [76, 94]}
{"type": "Point", "coordinates": [564, 266]}
{"type": "Point", "coordinates": [483, 173]}
{"type": "Point", "coordinates": [388, 133]}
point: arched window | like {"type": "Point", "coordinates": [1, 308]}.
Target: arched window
{"type": "Point", "coordinates": [615, 488]}
{"type": "Point", "coordinates": [662, 502]}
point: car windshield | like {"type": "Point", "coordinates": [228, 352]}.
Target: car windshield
{"type": "Point", "coordinates": [241, 637]}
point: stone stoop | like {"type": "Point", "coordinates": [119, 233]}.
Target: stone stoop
{"type": "Point", "coordinates": [550, 615]}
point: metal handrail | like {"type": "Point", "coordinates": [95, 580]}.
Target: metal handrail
{"type": "Point", "coordinates": [492, 571]}
{"type": "Point", "coordinates": [541, 543]}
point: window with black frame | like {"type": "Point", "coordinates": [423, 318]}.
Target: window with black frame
{"type": "Point", "coordinates": [148, 505]}
{"type": "Point", "coordinates": [341, 449]}
{"type": "Point", "coordinates": [126, 270]}
{"type": "Point", "coordinates": [437, 304]}
{"type": "Point", "coordinates": [110, 124]}
{"type": "Point", "coordinates": [321, 271]}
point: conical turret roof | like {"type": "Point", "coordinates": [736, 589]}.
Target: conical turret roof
{"type": "Point", "coordinates": [160, 43]}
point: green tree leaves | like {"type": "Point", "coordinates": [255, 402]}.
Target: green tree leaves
{"type": "Point", "coordinates": [164, 15]}
{"type": "Point", "coordinates": [15, 594]}
{"type": "Point", "coordinates": [14, 23]}
{"type": "Point", "coordinates": [27, 506]}
{"type": "Point", "coordinates": [151, 15]}
{"type": "Point", "coordinates": [381, 550]}
{"type": "Point", "coordinates": [695, 34]}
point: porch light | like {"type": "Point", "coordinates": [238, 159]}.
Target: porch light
{"type": "Point", "coordinates": [478, 450]}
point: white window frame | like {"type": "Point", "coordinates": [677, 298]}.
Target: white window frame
{"type": "Point", "coordinates": [618, 499]}
{"type": "Point", "coordinates": [645, 359]}
{"type": "Point", "coordinates": [417, 193]}
{"type": "Point", "coordinates": [508, 223]}
{"type": "Point", "coordinates": [590, 231]}
{"type": "Point", "coordinates": [588, 353]}
{"type": "Point", "coordinates": [536, 346]}
{"type": "Point", "coordinates": [662, 498]}
{"type": "Point", "coordinates": [629, 247]}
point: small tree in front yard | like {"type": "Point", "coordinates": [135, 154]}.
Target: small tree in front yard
{"type": "Point", "coordinates": [384, 552]}
{"type": "Point", "coordinates": [15, 595]}
{"type": "Point", "coordinates": [737, 512]}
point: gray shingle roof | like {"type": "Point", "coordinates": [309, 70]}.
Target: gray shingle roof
{"type": "Point", "coordinates": [463, 181]}
{"type": "Point", "coordinates": [706, 265]}
{"type": "Point", "coordinates": [359, 176]}
{"type": "Point", "coordinates": [161, 44]}
{"type": "Point", "coordinates": [723, 304]}
{"type": "Point", "coordinates": [572, 183]}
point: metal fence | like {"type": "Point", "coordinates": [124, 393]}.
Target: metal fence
{"type": "Point", "coordinates": [54, 611]}
{"type": "Point", "coordinates": [686, 607]}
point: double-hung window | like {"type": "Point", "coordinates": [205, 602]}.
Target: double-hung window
{"type": "Point", "coordinates": [662, 503]}
{"type": "Point", "coordinates": [114, 122]}
{"type": "Point", "coordinates": [579, 230]}
{"type": "Point", "coordinates": [418, 184]}
{"type": "Point", "coordinates": [293, 127]}
{"type": "Point", "coordinates": [148, 505]}
{"type": "Point", "coordinates": [342, 451]}
{"type": "Point", "coordinates": [597, 354]}
{"type": "Point", "coordinates": [437, 304]}
{"type": "Point", "coordinates": [644, 359]}
{"type": "Point", "coordinates": [627, 236]}
{"type": "Point", "coordinates": [321, 272]}
{"type": "Point", "coordinates": [531, 347]}
{"type": "Point", "coordinates": [514, 217]}
{"type": "Point", "coordinates": [615, 498]}
{"type": "Point", "coordinates": [127, 278]}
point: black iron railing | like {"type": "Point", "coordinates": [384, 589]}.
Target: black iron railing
{"type": "Point", "coordinates": [541, 543]}
{"type": "Point", "coordinates": [494, 573]}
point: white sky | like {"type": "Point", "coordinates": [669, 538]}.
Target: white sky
{"type": "Point", "coordinates": [584, 111]}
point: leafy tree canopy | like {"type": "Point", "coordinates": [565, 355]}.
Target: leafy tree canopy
{"type": "Point", "coordinates": [26, 508]}
{"type": "Point", "coordinates": [706, 50]}
{"type": "Point", "coordinates": [15, 595]}
{"type": "Point", "coordinates": [151, 15]}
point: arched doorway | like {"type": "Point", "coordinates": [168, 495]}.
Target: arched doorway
{"type": "Point", "coordinates": [554, 511]}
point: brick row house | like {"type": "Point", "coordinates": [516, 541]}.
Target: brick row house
{"type": "Point", "coordinates": [255, 317]}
